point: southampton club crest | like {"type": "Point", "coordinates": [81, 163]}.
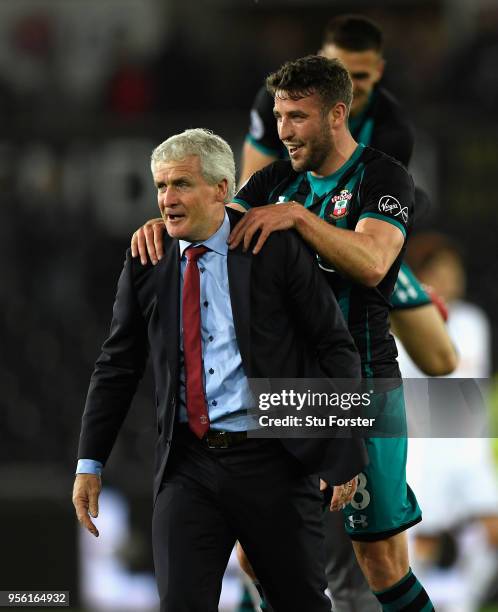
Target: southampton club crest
{"type": "Point", "coordinates": [340, 203]}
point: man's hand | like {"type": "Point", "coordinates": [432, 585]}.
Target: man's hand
{"type": "Point", "coordinates": [149, 239]}
{"type": "Point", "coordinates": [268, 219]}
{"type": "Point", "coordinates": [86, 491]}
{"type": "Point", "coordinates": [343, 494]}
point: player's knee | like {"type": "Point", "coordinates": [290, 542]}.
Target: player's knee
{"type": "Point", "coordinates": [381, 567]}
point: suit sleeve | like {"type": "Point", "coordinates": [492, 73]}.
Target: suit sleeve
{"type": "Point", "coordinates": [339, 459]}
{"type": "Point", "coordinates": [117, 373]}
{"type": "Point", "coordinates": [320, 318]}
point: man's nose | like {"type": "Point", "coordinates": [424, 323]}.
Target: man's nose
{"type": "Point", "coordinates": [168, 198]}
{"type": "Point", "coordinates": [285, 130]}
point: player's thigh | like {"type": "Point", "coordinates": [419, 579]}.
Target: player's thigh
{"type": "Point", "coordinates": [384, 504]}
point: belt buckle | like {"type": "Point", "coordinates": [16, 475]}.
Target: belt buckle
{"type": "Point", "coordinates": [218, 439]}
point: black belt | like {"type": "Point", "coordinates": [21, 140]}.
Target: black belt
{"type": "Point", "coordinates": [223, 439]}
{"type": "Point", "coordinates": [215, 438]}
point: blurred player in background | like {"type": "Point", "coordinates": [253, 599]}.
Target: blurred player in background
{"type": "Point", "coordinates": [375, 119]}
{"type": "Point", "coordinates": [459, 491]}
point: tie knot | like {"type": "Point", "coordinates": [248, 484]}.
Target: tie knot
{"type": "Point", "coordinates": [193, 253]}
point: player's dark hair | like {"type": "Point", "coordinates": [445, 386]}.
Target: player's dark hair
{"type": "Point", "coordinates": [313, 74]}
{"type": "Point", "coordinates": [353, 33]}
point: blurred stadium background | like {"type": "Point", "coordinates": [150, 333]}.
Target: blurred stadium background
{"type": "Point", "coordinates": [87, 88]}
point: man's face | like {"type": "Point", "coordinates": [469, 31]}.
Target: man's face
{"type": "Point", "coordinates": [365, 69]}
{"type": "Point", "coordinates": [304, 129]}
{"type": "Point", "coordinates": [192, 209]}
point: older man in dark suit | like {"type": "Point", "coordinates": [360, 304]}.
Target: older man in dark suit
{"type": "Point", "coordinates": [210, 319]}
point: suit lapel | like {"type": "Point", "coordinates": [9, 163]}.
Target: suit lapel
{"type": "Point", "coordinates": [239, 282]}
{"type": "Point", "coordinates": [168, 300]}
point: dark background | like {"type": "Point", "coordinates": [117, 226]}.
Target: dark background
{"type": "Point", "coordinates": [87, 89]}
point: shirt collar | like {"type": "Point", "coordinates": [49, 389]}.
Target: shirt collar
{"type": "Point", "coordinates": [217, 242]}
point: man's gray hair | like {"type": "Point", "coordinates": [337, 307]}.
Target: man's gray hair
{"type": "Point", "coordinates": [215, 155]}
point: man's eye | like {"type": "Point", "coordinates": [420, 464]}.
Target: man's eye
{"type": "Point", "coordinates": [360, 76]}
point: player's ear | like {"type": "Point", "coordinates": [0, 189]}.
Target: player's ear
{"type": "Point", "coordinates": [381, 66]}
{"type": "Point", "coordinates": [338, 115]}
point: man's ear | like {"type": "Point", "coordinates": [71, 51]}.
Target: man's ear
{"type": "Point", "coordinates": [222, 190]}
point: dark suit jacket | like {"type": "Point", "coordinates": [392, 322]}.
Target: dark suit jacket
{"type": "Point", "coordinates": [287, 323]}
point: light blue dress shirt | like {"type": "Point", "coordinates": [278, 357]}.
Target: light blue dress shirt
{"type": "Point", "coordinates": [227, 390]}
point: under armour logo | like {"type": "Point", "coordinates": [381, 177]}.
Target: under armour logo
{"type": "Point", "coordinates": [360, 521]}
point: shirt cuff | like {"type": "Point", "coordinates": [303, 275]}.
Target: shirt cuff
{"type": "Point", "coordinates": [89, 466]}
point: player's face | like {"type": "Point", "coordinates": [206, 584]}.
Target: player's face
{"type": "Point", "coordinates": [192, 209]}
{"type": "Point", "coordinates": [365, 69]}
{"type": "Point", "coordinates": [446, 275]}
{"type": "Point", "coordinates": [305, 131]}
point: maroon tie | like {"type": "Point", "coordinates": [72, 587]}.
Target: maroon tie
{"type": "Point", "coordinates": [197, 413]}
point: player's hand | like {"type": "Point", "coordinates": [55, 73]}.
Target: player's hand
{"type": "Point", "coordinates": [86, 491]}
{"type": "Point", "coordinates": [343, 494]}
{"type": "Point", "coordinates": [148, 239]}
{"type": "Point", "coordinates": [268, 219]}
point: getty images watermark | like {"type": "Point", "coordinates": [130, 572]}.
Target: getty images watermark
{"type": "Point", "coordinates": [323, 408]}
{"type": "Point", "coordinates": [290, 398]}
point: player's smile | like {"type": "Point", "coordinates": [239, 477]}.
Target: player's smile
{"type": "Point", "coordinates": [293, 149]}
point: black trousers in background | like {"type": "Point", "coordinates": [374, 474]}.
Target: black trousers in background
{"type": "Point", "coordinates": [253, 492]}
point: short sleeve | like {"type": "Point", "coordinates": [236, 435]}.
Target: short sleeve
{"type": "Point", "coordinates": [408, 292]}
{"type": "Point", "coordinates": [387, 193]}
{"type": "Point", "coordinates": [259, 189]}
{"type": "Point", "coordinates": [262, 133]}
